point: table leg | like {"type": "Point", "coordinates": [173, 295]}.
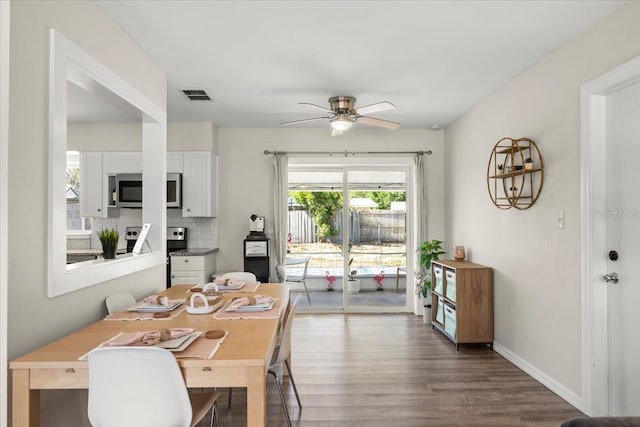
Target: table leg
{"type": "Point", "coordinates": [26, 402]}
{"type": "Point", "coordinates": [257, 397]}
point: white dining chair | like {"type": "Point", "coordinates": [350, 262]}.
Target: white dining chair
{"type": "Point", "coordinates": [281, 356]}
{"type": "Point", "coordinates": [142, 387]}
{"type": "Point", "coordinates": [301, 278]}
{"type": "Point", "coordinates": [119, 301]}
{"type": "Point", "coordinates": [241, 276]}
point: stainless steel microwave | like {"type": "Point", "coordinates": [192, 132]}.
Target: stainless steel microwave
{"type": "Point", "coordinates": [129, 190]}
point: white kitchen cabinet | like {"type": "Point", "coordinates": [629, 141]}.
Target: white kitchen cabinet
{"type": "Point", "coordinates": [122, 162]}
{"type": "Point", "coordinates": [92, 200]}
{"type": "Point", "coordinates": [200, 184]}
{"type": "Point", "coordinates": [175, 161]}
{"type": "Point", "coordinates": [192, 269]}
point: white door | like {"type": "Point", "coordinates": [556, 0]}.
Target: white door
{"type": "Point", "coordinates": [623, 237]}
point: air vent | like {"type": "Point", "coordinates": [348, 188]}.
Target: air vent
{"type": "Point", "coordinates": [196, 94]}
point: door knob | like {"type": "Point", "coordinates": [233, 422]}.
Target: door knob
{"type": "Point", "coordinates": [611, 277]}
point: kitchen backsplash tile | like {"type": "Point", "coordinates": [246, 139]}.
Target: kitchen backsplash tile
{"type": "Point", "coordinates": [201, 232]}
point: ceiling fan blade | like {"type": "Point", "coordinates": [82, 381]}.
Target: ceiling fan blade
{"type": "Point", "coordinates": [336, 132]}
{"type": "Point", "coordinates": [374, 108]}
{"type": "Point", "coordinates": [304, 120]}
{"type": "Point", "coordinates": [379, 122]}
{"type": "Point", "coordinates": [325, 109]}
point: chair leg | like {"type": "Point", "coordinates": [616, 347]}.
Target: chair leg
{"type": "Point", "coordinates": [214, 416]}
{"type": "Point", "coordinates": [284, 403]}
{"type": "Point", "coordinates": [293, 383]}
{"type": "Point", "coordinates": [304, 282]}
{"type": "Point", "coordinates": [229, 401]}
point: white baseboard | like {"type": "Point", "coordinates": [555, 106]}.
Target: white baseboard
{"type": "Point", "coordinates": [541, 377]}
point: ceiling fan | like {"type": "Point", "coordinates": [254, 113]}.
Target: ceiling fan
{"type": "Point", "coordinates": [344, 115]}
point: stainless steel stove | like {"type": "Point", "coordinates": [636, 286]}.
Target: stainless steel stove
{"type": "Point", "coordinates": [176, 241]}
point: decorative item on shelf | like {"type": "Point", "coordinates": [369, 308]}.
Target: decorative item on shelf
{"type": "Point", "coordinates": [109, 240]}
{"type": "Point", "coordinates": [429, 250]}
{"type": "Point", "coordinates": [513, 191]}
{"type": "Point", "coordinates": [520, 184]}
{"type": "Point", "coordinates": [528, 164]}
{"type": "Point", "coordinates": [459, 254]}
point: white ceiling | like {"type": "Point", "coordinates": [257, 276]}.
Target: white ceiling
{"type": "Point", "coordinates": [257, 59]}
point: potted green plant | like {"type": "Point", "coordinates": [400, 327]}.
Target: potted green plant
{"type": "Point", "coordinates": [109, 240]}
{"type": "Point", "coordinates": [428, 251]}
{"type": "Point", "coordinates": [528, 163]}
{"type": "Point", "coordinates": [500, 169]}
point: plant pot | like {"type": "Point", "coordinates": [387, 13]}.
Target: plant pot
{"type": "Point", "coordinates": [528, 166]}
{"type": "Point", "coordinates": [109, 252]}
{"type": "Point", "coordinates": [353, 286]}
{"type": "Point", "coordinates": [426, 314]}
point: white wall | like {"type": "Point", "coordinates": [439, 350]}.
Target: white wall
{"type": "Point", "coordinates": [246, 174]}
{"type": "Point", "coordinates": [4, 165]}
{"type": "Point", "coordinates": [537, 267]}
{"type": "Point", "coordinates": [34, 319]}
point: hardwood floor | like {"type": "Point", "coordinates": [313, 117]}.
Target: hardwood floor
{"type": "Point", "coordinates": [392, 370]}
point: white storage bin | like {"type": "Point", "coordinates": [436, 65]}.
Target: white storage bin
{"type": "Point", "coordinates": [450, 320]}
{"type": "Point", "coordinates": [440, 311]}
{"type": "Point", "coordinates": [451, 285]}
{"type": "Point", "coordinates": [439, 283]}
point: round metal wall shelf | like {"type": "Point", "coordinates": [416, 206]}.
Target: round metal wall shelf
{"type": "Point", "coordinates": [515, 173]}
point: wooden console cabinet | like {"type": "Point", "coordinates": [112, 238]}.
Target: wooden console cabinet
{"type": "Point", "coordinates": [462, 301]}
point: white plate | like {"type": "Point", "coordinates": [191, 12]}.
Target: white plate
{"type": "Point", "coordinates": [146, 307]}
{"type": "Point", "coordinates": [234, 287]}
{"type": "Point", "coordinates": [251, 308]}
{"type": "Point", "coordinates": [179, 344]}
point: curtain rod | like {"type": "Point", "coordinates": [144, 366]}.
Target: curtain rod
{"type": "Point", "coordinates": [345, 153]}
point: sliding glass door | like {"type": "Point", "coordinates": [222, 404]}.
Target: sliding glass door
{"type": "Point", "coordinates": [349, 227]}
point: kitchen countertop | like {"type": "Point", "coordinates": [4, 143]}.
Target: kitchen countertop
{"type": "Point", "coordinates": [194, 252]}
{"type": "Point", "coordinates": [91, 252]}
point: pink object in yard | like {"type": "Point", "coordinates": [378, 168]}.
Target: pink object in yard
{"type": "Point", "coordinates": [330, 279]}
{"type": "Point", "coordinates": [379, 278]}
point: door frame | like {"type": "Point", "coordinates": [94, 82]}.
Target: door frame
{"type": "Point", "coordinates": [410, 226]}
{"type": "Point", "coordinates": [593, 190]}
{"type": "Point", "coordinates": [371, 162]}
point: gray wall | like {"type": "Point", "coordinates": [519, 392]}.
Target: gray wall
{"type": "Point", "coordinates": [537, 267]}
{"type": "Point", "coordinates": [246, 174]}
{"type": "Point", "coordinates": [35, 319]}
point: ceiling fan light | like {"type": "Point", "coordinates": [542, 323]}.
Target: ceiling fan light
{"type": "Point", "coordinates": [341, 124]}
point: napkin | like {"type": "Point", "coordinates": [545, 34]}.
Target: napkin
{"type": "Point", "coordinates": [158, 300]}
{"type": "Point", "coordinates": [145, 338]}
{"type": "Point", "coordinates": [252, 300]}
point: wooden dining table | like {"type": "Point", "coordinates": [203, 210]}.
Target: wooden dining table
{"type": "Point", "coordinates": [242, 359]}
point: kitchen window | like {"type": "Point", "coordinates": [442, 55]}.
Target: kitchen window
{"type": "Point", "coordinates": [76, 224]}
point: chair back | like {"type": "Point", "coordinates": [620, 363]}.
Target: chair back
{"type": "Point", "coordinates": [281, 273]}
{"type": "Point", "coordinates": [117, 302]}
{"type": "Point", "coordinates": [241, 276]}
{"type": "Point", "coordinates": [303, 276]}
{"type": "Point", "coordinates": [306, 266]}
{"type": "Point", "coordinates": [136, 386]}
{"type": "Point", "coordinates": [284, 349]}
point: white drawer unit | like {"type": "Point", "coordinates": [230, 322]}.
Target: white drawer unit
{"type": "Point", "coordinates": [192, 269]}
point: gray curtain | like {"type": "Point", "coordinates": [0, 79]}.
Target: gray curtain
{"type": "Point", "coordinates": [421, 220]}
{"type": "Point", "coordinates": [280, 193]}
{"type": "Point", "coordinates": [421, 198]}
